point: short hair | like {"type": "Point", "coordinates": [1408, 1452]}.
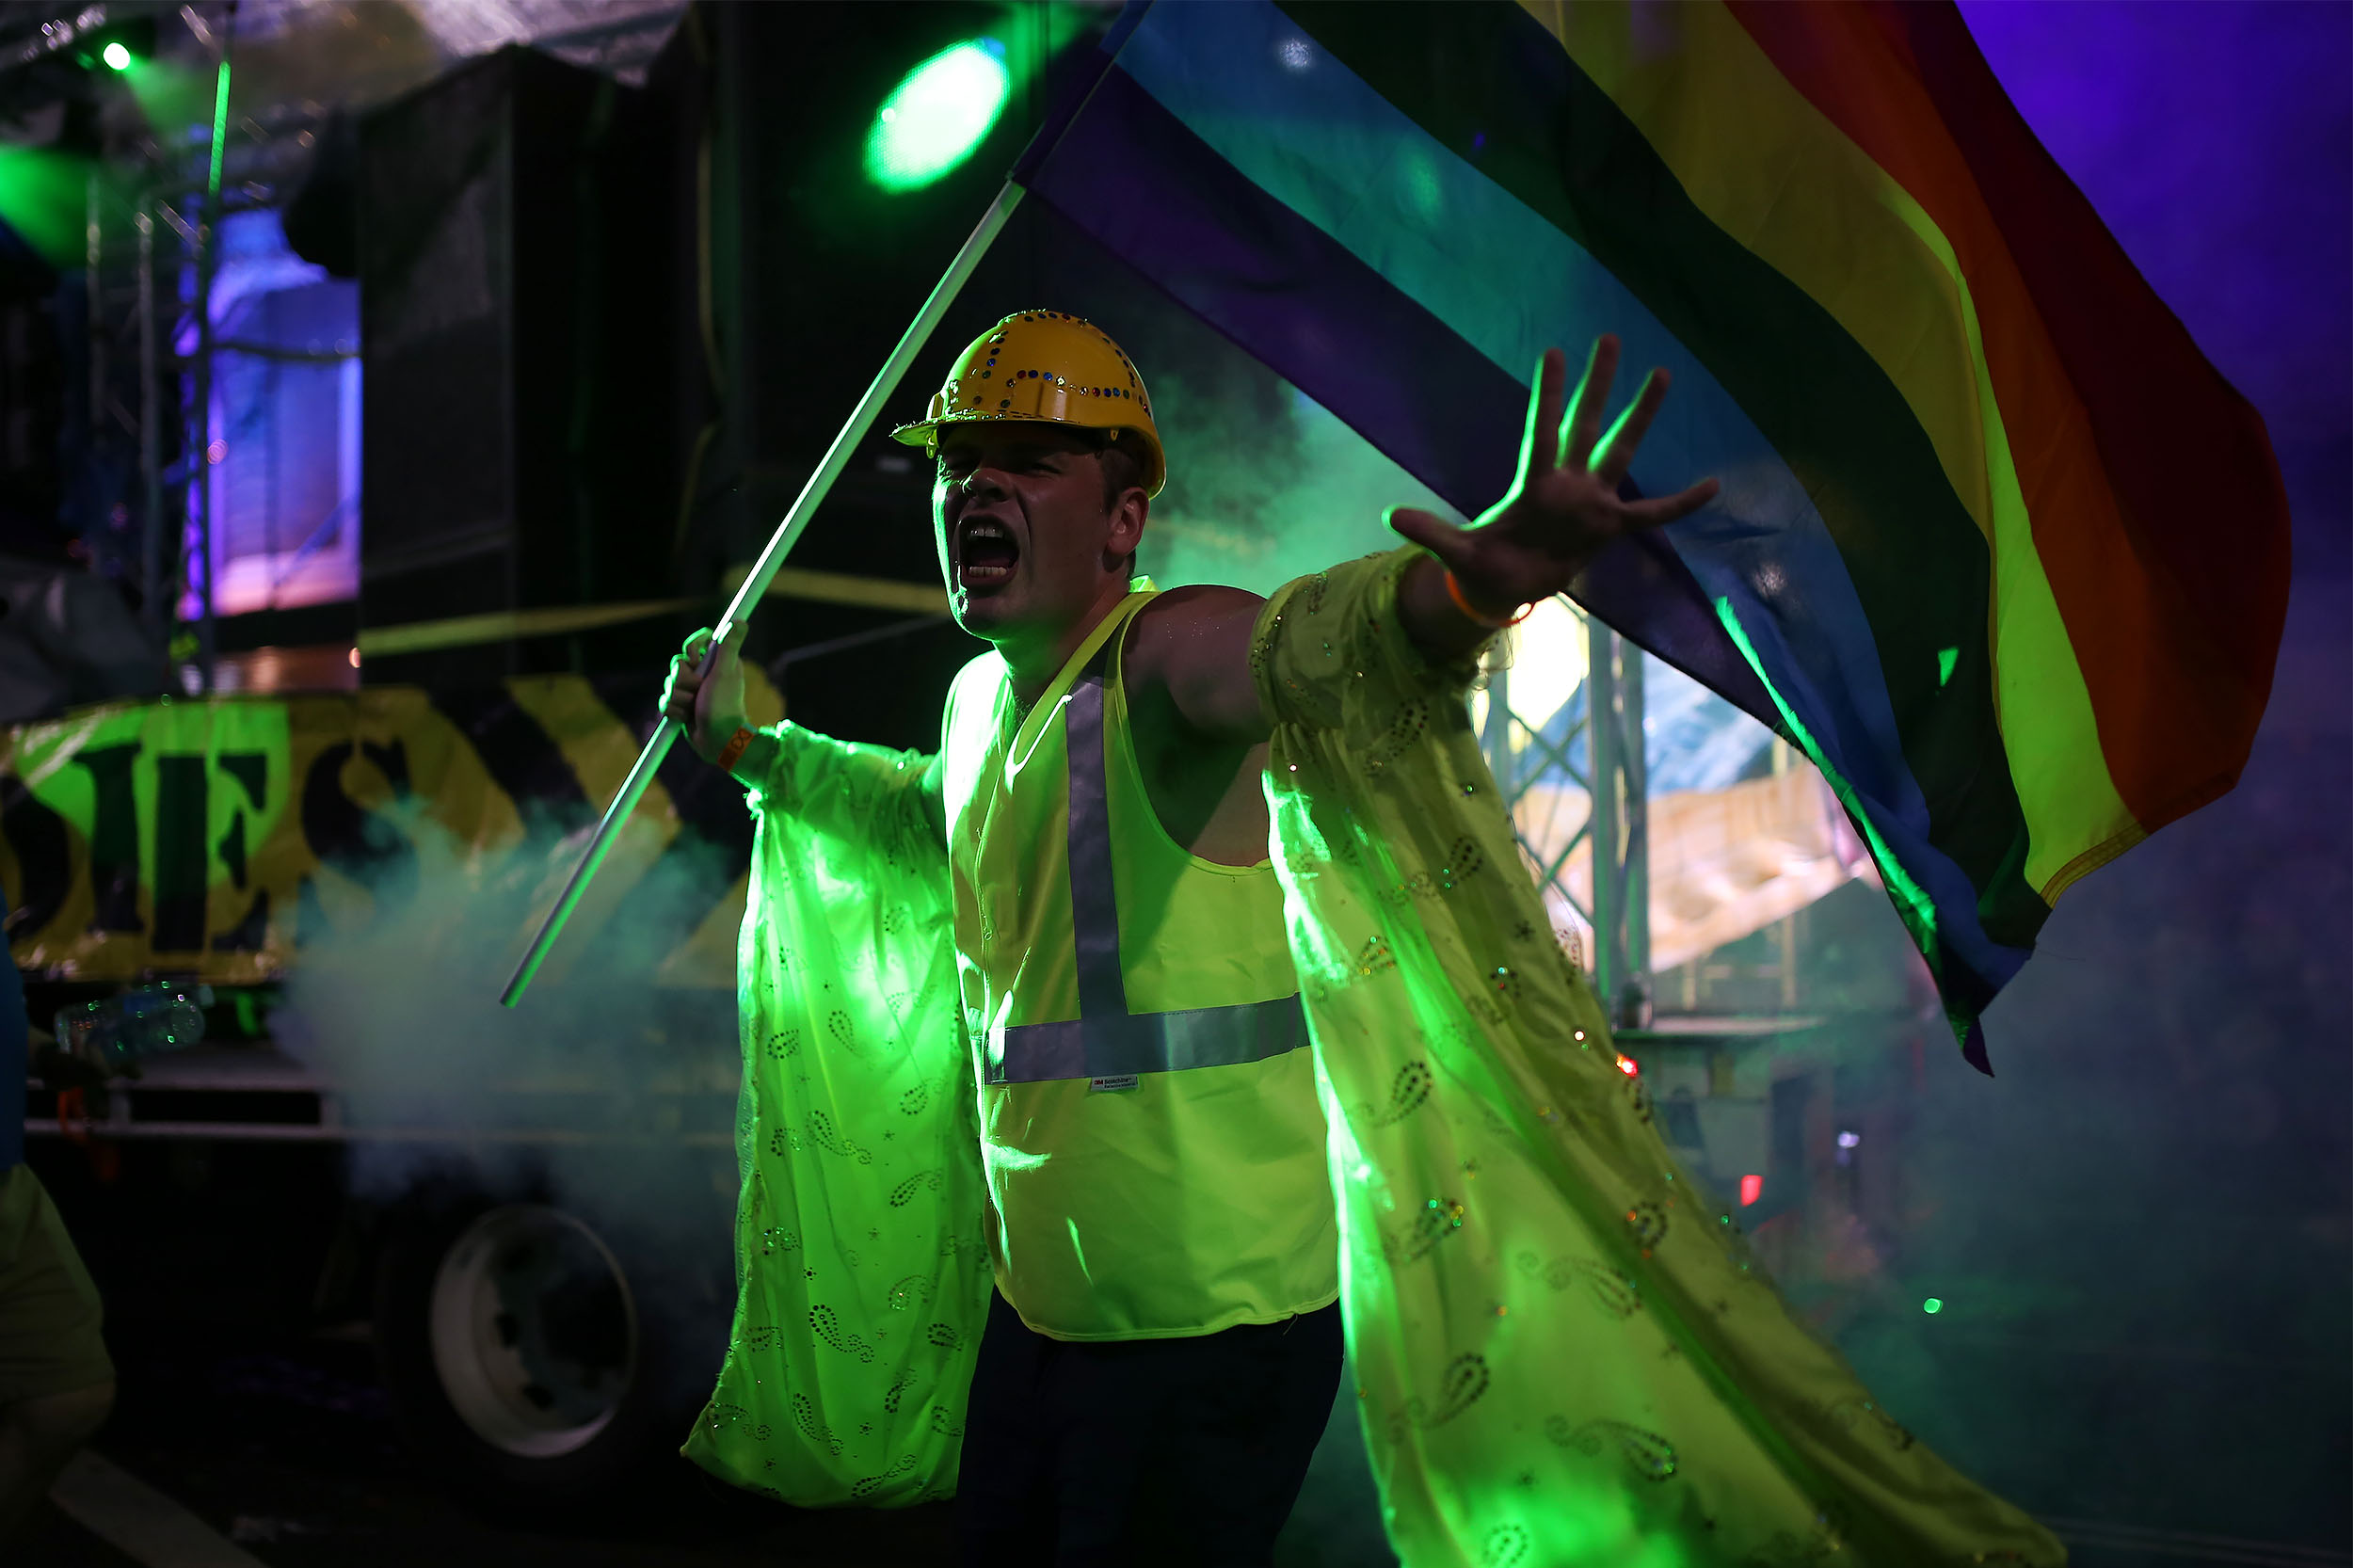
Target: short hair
{"type": "Point", "coordinates": [1126, 460]}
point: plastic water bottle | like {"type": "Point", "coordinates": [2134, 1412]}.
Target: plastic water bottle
{"type": "Point", "coordinates": [146, 1021]}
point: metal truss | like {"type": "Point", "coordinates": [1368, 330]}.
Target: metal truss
{"type": "Point", "coordinates": [151, 256]}
{"type": "Point", "coordinates": [1539, 775]}
{"type": "Point", "coordinates": [138, 487]}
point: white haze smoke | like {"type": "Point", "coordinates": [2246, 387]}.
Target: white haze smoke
{"type": "Point", "coordinates": [604, 1091]}
{"type": "Point", "coordinates": [1257, 497]}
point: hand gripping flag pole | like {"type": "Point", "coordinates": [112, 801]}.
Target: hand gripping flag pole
{"type": "Point", "coordinates": [755, 586]}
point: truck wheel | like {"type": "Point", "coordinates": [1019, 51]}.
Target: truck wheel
{"type": "Point", "coordinates": [519, 1362]}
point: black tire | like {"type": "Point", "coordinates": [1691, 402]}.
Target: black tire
{"type": "Point", "coordinates": [479, 1302]}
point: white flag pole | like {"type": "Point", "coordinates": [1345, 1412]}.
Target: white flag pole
{"type": "Point", "coordinates": [763, 571]}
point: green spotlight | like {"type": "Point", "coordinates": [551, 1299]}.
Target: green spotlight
{"type": "Point", "coordinates": [937, 116]}
{"type": "Point", "coordinates": [117, 56]}
{"type": "Point", "coordinates": [1932, 1307]}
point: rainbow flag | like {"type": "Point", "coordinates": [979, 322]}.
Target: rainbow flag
{"type": "Point", "coordinates": [1997, 546]}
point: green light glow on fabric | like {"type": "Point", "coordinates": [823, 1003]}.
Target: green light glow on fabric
{"type": "Point", "coordinates": [1912, 903]}
{"type": "Point", "coordinates": [1933, 1305]}
{"type": "Point", "coordinates": [117, 56]}
{"type": "Point", "coordinates": [1548, 1466]}
{"type": "Point", "coordinates": [862, 1190]}
{"type": "Point", "coordinates": [1510, 1426]}
{"type": "Point", "coordinates": [937, 116]}
{"type": "Point", "coordinates": [1945, 659]}
{"type": "Point", "coordinates": [1425, 189]}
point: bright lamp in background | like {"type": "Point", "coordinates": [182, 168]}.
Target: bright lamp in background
{"type": "Point", "coordinates": [937, 116]}
{"type": "Point", "coordinates": [117, 56]}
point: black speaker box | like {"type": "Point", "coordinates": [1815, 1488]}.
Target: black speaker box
{"type": "Point", "coordinates": [516, 416]}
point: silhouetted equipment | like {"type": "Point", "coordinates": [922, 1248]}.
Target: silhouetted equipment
{"type": "Point", "coordinates": [516, 373]}
{"type": "Point", "coordinates": [608, 332]}
{"type": "Point", "coordinates": [323, 217]}
{"type": "Point", "coordinates": [67, 638]}
{"type": "Point", "coordinates": [795, 278]}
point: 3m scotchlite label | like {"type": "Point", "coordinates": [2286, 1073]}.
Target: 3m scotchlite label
{"type": "Point", "coordinates": [1106, 1041]}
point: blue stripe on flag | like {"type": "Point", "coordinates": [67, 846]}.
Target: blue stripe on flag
{"type": "Point", "coordinates": [1332, 239]}
{"type": "Point", "coordinates": [1290, 296]}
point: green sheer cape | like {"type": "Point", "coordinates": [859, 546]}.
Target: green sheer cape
{"type": "Point", "coordinates": [1562, 1349]}
{"type": "Point", "coordinates": [861, 1281]}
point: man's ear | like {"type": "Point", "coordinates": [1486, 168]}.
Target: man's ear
{"type": "Point", "coordinates": [1128, 519]}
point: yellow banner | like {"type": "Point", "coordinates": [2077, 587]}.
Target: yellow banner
{"type": "Point", "coordinates": [211, 838]}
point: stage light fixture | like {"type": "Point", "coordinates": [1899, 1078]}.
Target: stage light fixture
{"type": "Point", "coordinates": [117, 56]}
{"type": "Point", "coordinates": [937, 116]}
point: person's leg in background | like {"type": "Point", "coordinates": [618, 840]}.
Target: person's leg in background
{"type": "Point", "coordinates": [56, 1383]}
{"type": "Point", "coordinates": [37, 1437]}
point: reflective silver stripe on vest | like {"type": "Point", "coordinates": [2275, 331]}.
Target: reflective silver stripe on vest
{"type": "Point", "coordinates": [1106, 1040]}
{"type": "Point", "coordinates": [1094, 909]}
{"type": "Point", "coordinates": [1149, 1042]}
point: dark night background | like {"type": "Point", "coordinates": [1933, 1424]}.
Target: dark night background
{"type": "Point", "coordinates": [2140, 1233]}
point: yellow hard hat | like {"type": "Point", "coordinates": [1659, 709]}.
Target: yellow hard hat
{"type": "Point", "coordinates": [1044, 366]}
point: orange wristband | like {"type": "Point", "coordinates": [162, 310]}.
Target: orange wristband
{"type": "Point", "coordinates": [733, 750]}
{"type": "Point", "coordinates": [1454, 592]}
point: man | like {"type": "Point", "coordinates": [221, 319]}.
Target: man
{"type": "Point", "coordinates": [1163, 1349]}
{"type": "Point", "coordinates": [56, 1383]}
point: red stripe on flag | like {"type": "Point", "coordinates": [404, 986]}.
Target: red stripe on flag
{"type": "Point", "coordinates": [2157, 505]}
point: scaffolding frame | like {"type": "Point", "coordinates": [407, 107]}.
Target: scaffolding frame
{"type": "Point", "coordinates": [150, 253]}
{"type": "Point", "coordinates": [1617, 827]}
{"type": "Point", "coordinates": [151, 259]}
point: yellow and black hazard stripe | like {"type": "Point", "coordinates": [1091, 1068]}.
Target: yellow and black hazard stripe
{"type": "Point", "coordinates": [215, 838]}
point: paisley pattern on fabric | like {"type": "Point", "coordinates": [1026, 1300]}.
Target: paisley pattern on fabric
{"type": "Point", "coordinates": [1499, 1181]}
{"type": "Point", "coordinates": [860, 1219]}
{"type": "Point", "coordinates": [1564, 1351]}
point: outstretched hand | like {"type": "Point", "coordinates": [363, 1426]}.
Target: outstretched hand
{"type": "Point", "coordinates": [1563, 506]}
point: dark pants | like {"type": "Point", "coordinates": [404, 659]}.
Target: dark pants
{"type": "Point", "coordinates": [1141, 1451]}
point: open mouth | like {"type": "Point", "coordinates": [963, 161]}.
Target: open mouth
{"type": "Point", "coordinates": [986, 554]}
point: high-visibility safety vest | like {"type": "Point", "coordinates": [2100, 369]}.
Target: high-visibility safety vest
{"type": "Point", "coordinates": [1154, 1146]}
